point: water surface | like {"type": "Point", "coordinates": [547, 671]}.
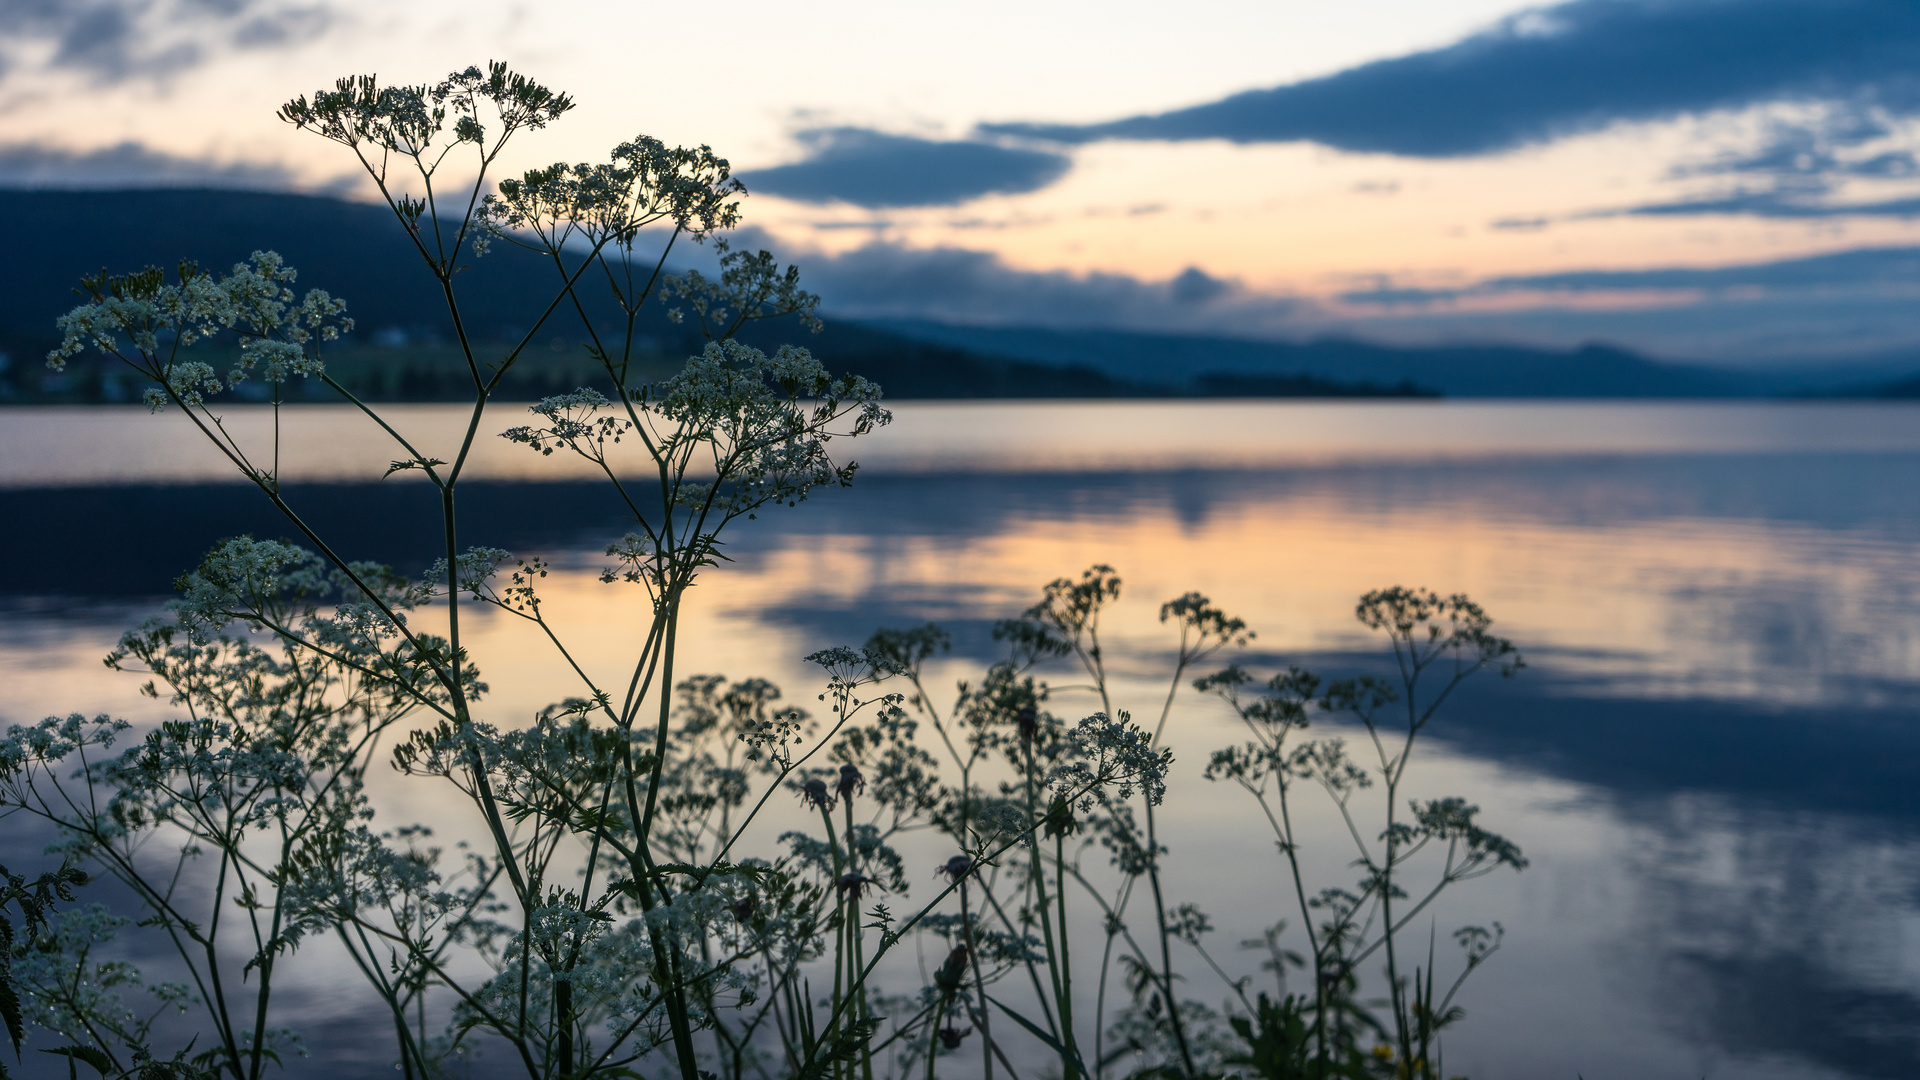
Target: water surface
{"type": "Point", "coordinates": [1710, 760]}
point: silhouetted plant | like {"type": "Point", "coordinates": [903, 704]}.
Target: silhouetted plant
{"type": "Point", "coordinates": [613, 918]}
{"type": "Point", "coordinates": [1437, 643]}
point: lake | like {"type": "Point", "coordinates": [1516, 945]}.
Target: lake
{"type": "Point", "coordinates": [1711, 759]}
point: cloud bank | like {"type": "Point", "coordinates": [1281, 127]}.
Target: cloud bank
{"type": "Point", "coordinates": [960, 285]}
{"type": "Point", "coordinates": [1564, 70]}
{"type": "Point", "coordinates": [875, 170]}
{"type": "Point", "coordinates": [1839, 307]}
{"type": "Point", "coordinates": [134, 165]}
{"type": "Point", "coordinates": [118, 41]}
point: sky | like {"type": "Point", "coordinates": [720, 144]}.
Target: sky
{"type": "Point", "coordinates": [1729, 181]}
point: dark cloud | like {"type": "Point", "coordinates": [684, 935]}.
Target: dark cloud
{"type": "Point", "coordinates": [1195, 286]}
{"type": "Point", "coordinates": [888, 280]}
{"type": "Point", "coordinates": [1842, 307]}
{"type": "Point", "coordinates": [1567, 69]}
{"type": "Point", "coordinates": [874, 169]}
{"type": "Point", "coordinates": [133, 165]}
{"type": "Point", "coordinates": [116, 41]}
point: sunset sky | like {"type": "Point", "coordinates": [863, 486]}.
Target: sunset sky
{"type": "Point", "coordinates": [1725, 180]}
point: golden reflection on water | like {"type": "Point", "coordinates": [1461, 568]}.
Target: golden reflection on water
{"type": "Point", "coordinates": [1674, 608]}
{"type": "Point", "coordinates": [1673, 604]}
{"type": "Point", "coordinates": [1665, 607]}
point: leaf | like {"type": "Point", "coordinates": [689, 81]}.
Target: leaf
{"type": "Point", "coordinates": [1044, 1037]}
{"type": "Point", "coordinates": [10, 1011]}
{"type": "Point", "coordinates": [92, 1055]}
{"type": "Point", "coordinates": [412, 463]}
{"type": "Point", "coordinates": [846, 1045]}
{"type": "Point", "coordinates": [688, 869]}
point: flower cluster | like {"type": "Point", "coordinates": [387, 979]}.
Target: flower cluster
{"type": "Point", "coordinates": [751, 285]}
{"type": "Point", "coordinates": [1427, 626]}
{"type": "Point", "coordinates": [1111, 751]}
{"type": "Point", "coordinates": [750, 415]}
{"type": "Point", "coordinates": [571, 425]}
{"type": "Point", "coordinates": [644, 182]}
{"type": "Point", "coordinates": [144, 321]}
{"type": "Point", "coordinates": [407, 119]}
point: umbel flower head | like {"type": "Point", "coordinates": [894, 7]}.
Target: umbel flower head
{"type": "Point", "coordinates": [144, 321]}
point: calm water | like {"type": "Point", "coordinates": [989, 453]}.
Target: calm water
{"type": "Point", "coordinates": [1711, 760]}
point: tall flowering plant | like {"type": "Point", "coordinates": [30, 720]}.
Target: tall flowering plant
{"type": "Point", "coordinates": [617, 916]}
{"type": "Point", "coordinates": [596, 907]}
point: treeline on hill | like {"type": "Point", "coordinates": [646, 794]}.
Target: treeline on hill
{"type": "Point", "coordinates": [401, 349]}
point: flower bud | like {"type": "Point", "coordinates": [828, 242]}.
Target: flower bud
{"type": "Point", "coordinates": [850, 782]}
{"type": "Point", "coordinates": [814, 793]}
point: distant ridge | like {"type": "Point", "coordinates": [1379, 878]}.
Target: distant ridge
{"type": "Point", "coordinates": [356, 251]}
{"type": "Point", "coordinates": [1456, 370]}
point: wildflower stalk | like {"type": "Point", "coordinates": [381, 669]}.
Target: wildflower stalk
{"type": "Point", "coordinates": [982, 1015]}
{"type": "Point", "coordinates": [1025, 836]}
{"type": "Point", "coordinates": [863, 1006]}
{"type": "Point", "coordinates": [1059, 971]}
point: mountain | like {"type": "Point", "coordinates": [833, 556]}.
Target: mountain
{"type": "Point", "coordinates": [1173, 360]}
{"type": "Point", "coordinates": [401, 348]}
{"type": "Point", "coordinates": [358, 252]}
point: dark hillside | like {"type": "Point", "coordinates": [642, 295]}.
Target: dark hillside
{"type": "Point", "coordinates": [358, 252]}
{"type": "Point", "coordinates": [402, 347]}
{"type": "Point", "coordinates": [1468, 370]}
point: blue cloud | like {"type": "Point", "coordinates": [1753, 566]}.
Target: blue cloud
{"type": "Point", "coordinates": [1771, 204]}
{"type": "Point", "coordinates": [135, 165]}
{"type": "Point", "coordinates": [117, 41]}
{"type": "Point", "coordinates": [1563, 70]}
{"type": "Point", "coordinates": [875, 170]}
{"type": "Point", "coordinates": [1835, 146]}
{"type": "Point", "coordinates": [1799, 170]}
{"type": "Point", "coordinates": [888, 280]}
{"type": "Point", "coordinates": [1843, 271]}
